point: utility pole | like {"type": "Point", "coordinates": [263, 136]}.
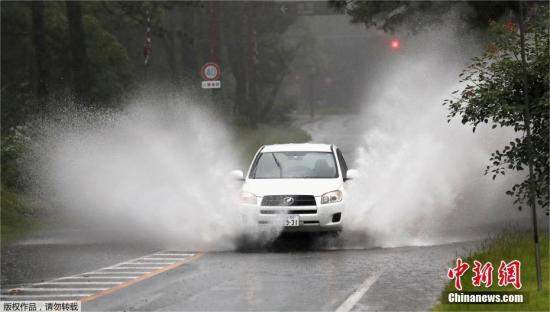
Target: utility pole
{"type": "Point", "coordinates": [529, 143]}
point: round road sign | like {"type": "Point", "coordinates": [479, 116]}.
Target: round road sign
{"type": "Point", "coordinates": [211, 71]}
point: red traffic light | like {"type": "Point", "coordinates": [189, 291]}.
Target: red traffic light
{"type": "Point", "coordinates": [395, 44]}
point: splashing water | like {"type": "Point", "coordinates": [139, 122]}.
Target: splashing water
{"type": "Point", "coordinates": [158, 170]}
{"type": "Point", "coordinates": [422, 178]}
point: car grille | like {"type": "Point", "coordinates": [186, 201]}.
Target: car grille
{"type": "Point", "coordinates": [291, 211]}
{"type": "Point", "coordinates": [284, 200]}
{"type": "Point", "coordinates": [310, 222]}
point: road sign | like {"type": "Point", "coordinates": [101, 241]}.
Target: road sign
{"type": "Point", "coordinates": [211, 84]}
{"type": "Point", "coordinates": [211, 71]}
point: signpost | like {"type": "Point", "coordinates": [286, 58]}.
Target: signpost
{"type": "Point", "coordinates": [211, 84]}
{"type": "Point", "coordinates": [211, 73]}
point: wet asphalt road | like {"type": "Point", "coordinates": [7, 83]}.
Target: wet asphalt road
{"type": "Point", "coordinates": [296, 273]}
{"type": "Point", "coordinates": [407, 278]}
{"type": "Point", "coordinates": [293, 274]}
{"type": "Point", "coordinates": [50, 254]}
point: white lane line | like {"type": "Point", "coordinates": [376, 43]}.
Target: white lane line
{"type": "Point", "coordinates": [98, 277]}
{"type": "Point", "coordinates": [161, 261]}
{"type": "Point", "coordinates": [166, 258]}
{"type": "Point", "coordinates": [152, 263]}
{"type": "Point", "coordinates": [143, 263]}
{"type": "Point", "coordinates": [139, 267]}
{"type": "Point", "coordinates": [118, 272]}
{"type": "Point", "coordinates": [79, 283]}
{"type": "Point", "coordinates": [352, 300]}
{"type": "Point", "coordinates": [59, 289]}
{"type": "Point", "coordinates": [47, 296]}
{"type": "Point", "coordinates": [125, 271]}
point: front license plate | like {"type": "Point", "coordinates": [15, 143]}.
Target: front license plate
{"type": "Point", "coordinates": [292, 220]}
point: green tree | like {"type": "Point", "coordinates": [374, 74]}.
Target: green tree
{"type": "Point", "coordinates": [18, 96]}
{"type": "Point", "coordinates": [77, 45]}
{"type": "Point", "coordinates": [257, 55]}
{"type": "Point", "coordinates": [389, 15]}
{"type": "Point", "coordinates": [493, 94]}
{"type": "Point", "coordinates": [38, 29]}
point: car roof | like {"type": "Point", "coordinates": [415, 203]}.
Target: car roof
{"type": "Point", "coordinates": [294, 147]}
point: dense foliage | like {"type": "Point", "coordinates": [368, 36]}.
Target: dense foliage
{"type": "Point", "coordinates": [493, 94]}
{"type": "Point", "coordinates": [93, 52]}
{"type": "Point", "coordinates": [28, 62]}
{"type": "Point", "coordinates": [389, 15]}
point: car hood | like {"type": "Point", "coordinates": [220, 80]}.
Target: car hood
{"type": "Point", "coordinates": [315, 187]}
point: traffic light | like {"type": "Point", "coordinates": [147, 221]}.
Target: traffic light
{"type": "Point", "coordinates": [395, 44]}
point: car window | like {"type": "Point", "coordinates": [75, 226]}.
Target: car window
{"type": "Point", "coordinates": [279, 165]}
{"type": "Point", "coordinates": [342, 162]}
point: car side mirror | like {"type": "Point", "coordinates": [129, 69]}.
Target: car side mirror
{"type": "Point", "coordinates": [352, 174]}
{"type": "Point", "coordinates": [237, 175]}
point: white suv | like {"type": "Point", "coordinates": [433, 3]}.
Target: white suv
{"type": "Point", "coordinates": [300, 187]}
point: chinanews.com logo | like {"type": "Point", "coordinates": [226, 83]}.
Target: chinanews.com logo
{"type": "Point", "coordinates": [508, 273]}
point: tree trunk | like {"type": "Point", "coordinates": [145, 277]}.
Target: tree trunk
{"type": "Point", "coordinates": [251, 102]}
{"type": "Point", "coordinates": [235, 53]}
{"type": "Point", "coordinates": [237, 69]}
{"type": "Point", "coordinates": [270, 101]}
{"type": "Point", "coordinates": [77, 45]}
{"type": "Point", "coordinates": [188, 37]}
{"type": "Point", "coordinates": [242, 59]}
{"type": "Point", "coordinates": [171, 45]}
{"type": "Point", "coordinates": [285, 70]}
{"type": "Point", "coordinates": [38, 32]}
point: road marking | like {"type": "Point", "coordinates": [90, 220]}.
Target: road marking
{"type": "Point", "coordinates": [153, 263]}
{"type": "Point", "coordinates": [46, 296]}
{"type": "Point", "coordinates": [60, 289]}
{"type": "Point", "coordinates": [152, 258]}
{"type": "Point", "coordinates": [173, 254]}
{"type": "Point", "coordinates": [139, 279]}
{"type": "Point", "coordinates": [118, 272]}
{"type": "Point", "coordinates": [161, 259]}
{"type": "Point", "coordinates": [138, 267]}
{"type": "Point", "coordinates": [352, 300]}
{"type": "Point", "coordinates": [78, 283]}
{"type": "Point", "coordinates": [134, 273]}
{"type": "Point", "coordinates": [144, 263]}
{"type": "Point", "coordinates": [98, 277]}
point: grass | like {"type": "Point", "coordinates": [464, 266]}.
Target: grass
{"type": "Point", "coordinates": [17, 214]}
{"type": "Point", "coordinates": [508, 246]}
{"type": "Point", "coordinates": [251, 139]}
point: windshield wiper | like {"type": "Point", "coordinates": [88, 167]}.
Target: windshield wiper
{"type": "Point", "coordinates": [278, 165]}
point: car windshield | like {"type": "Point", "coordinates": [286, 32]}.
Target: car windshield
{"type": "Point", "coordinates": [295, 165]}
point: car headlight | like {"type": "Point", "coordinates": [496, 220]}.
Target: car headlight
{"type": "Point", "coordinates": [247, 198]}
{"type": "Point", "coordinates": [331, 197]}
